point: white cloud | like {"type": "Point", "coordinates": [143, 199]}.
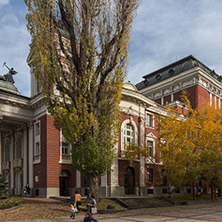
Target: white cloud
{"type": "Point", "coordinates": [4, 2]}
{"type": "Point", "coordinates": [165, 31]}
{"type": "Point", "coordinates": [9, 19]}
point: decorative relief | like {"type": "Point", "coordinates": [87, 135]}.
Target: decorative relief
{"type": "Point", "coordinates": [188, 83]}
{"type": "Point", "coordinates": [176, 88]}
{"type": "Point", "coordinates": [159, 94]}
{"type": "Point", "coordinates": [130, 110]}
{"type": "Point", "coordinates": [167, 91]}
{"type": "Point", "coordinates": [151, 135]}
{"type": "Point", "coordinates": [203, 83]}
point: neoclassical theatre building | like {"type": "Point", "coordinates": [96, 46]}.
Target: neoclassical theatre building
{"type": "Point", "coordinates": [34, 151]}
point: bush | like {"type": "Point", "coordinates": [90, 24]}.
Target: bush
{"type": "Point", "coordinates": [4, 191]}
{"type": "Point", "coordinates": [10, 202]}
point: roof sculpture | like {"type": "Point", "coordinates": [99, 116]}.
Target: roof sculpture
{"type": "Point", "coordinates": [7, 81]}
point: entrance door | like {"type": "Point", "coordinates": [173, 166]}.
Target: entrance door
{"type": "Point", "coordinates": [63, 186]}
{"type": "Point", "coordinates": [63, 183]}
{"type": "Point", "coordinates": [129, 180]}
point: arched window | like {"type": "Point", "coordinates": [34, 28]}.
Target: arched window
{"type": "Point", "coordinates": [128, 134]}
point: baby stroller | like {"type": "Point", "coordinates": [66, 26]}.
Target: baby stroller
{"type": "Point", "coordinates": [74, 210]}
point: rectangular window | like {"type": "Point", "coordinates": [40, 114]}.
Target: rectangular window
{"type": "Point", "coordinates": [65, 148]}
{"type": "Point", "coordinates": [149, 191]}
{"type": "Point", "coordinates": [149, 175]}
{"type": "Point", "coordinates": [164, 182]}
{"type": "Point", "coordinates": [37, 129]}
{"type": "Point", "coordinates": [164, 191]}
{"type": "Point", "coordinates": [37, 149]}
{"type": "Point", "coordinates": [149, 120]}
{"type": "Point", "coordinates": [150, 147]}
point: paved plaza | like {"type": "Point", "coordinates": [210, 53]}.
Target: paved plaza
{"type": "Point", "coordinates": [59, 211]}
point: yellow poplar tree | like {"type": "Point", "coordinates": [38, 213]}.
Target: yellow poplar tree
{"type": "Point", "coordinates": [79, 51]}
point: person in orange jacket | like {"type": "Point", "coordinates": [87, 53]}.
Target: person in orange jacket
{"type": "Point", "coordinates": [77, 199]}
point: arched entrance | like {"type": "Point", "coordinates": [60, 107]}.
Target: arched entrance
{"type": "Point", "coordinates": [129, 180]}
{"type": "Point", "coordinates": [63, 183]}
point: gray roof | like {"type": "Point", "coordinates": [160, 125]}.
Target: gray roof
{"type": "Point", "coordinates": [174, 69]}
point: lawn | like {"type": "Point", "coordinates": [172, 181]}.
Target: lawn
{"type": "Point", "coordinates": [15, 200]}
{"type": "Point", "coordinates": [10, 202]}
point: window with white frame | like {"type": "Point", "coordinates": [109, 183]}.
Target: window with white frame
{"type": "Point", "coordinates": [37, 129]}
{"type": "Point", "coordinates": [37, 148]}
{"type": "Point", "coordinates": [149, 120]}
{"type": "Point", "coordinates": [128, 134]}
{"type": "Point", "coordinates": [150, 146]}
{"type": "Point", "coordinates": [149, 175]}
{"type": "Point", "coordinates": [65, 148]}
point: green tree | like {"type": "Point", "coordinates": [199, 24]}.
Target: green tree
{"type": "Point", "coordinates": [3, 188]}
{"type": "Point", "coordinates": [79, 51]}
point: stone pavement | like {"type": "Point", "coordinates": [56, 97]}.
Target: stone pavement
{"type": "Point", "coordinates": [209, 212]}
{"type": "Point", "coordinates": [57, 211]}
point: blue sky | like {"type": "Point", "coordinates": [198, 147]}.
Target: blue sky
{"type": "Point", "coordinates": [163, 31]}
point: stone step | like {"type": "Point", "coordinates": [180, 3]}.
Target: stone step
{"type": "Point", "coordinates": [135, 203]}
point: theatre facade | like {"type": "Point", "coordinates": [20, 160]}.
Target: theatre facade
{"type": "Point", "coordinates": [34, 151]}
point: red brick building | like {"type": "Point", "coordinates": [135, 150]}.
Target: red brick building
{"type": "Point", "coordinates": [166, 84]}
{"type": "Point", "coordinates": [34, 151]}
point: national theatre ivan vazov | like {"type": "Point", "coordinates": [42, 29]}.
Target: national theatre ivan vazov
{"type": "Point", "coordinates": [34, 151]}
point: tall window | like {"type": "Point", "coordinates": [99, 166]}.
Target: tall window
{"type": "Point", "coordinates": [149, 175]}
{"type": "Point", "coordinates": [150, 147]}
{"type": "Point", "coordinates": [149, 120]}
{"type": "Point", "coordinates": [18, 153]}
{"type": "Point", "coordinates": [7, 150]}
{"type": "Point", "coordinates": [128, 134]}
{"type": "Point", "coordinates": [65, 148]}
{"type": "Point", "coordinates": [37, 148]}
{"type": "Point", "coordinates": [164, 178]}
{"type": "Point", "coordinates": [37, 129]}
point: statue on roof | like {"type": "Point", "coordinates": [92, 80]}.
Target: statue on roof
{"type": "Point", "coordinates": [9, 76]}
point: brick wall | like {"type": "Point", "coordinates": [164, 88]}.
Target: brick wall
{"type": "Point", "coordinates": [52, 152]}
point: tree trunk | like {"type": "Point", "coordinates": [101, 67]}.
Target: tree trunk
{"type": "Point", "coordinates": [94, 186]}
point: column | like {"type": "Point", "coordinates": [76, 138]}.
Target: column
{"type": "Point", "coordinates": [142, 158]}
{"type": "Point", "coordinates": [11, 162]}
{"type": "Point", "coordinates": [78, 179]}
{"type": "Point", "coordinates": [104, 186]}
{"type": "Point", "coordinates": [25, 157]}
{"type": "Point", "coordinates": [0, 152]}
{"type": "Point", "coordinates": [30, 164]}
{"type": "Point", "coordinates": [114, 180]}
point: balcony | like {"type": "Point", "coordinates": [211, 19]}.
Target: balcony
{"type": "Point", "coordinates": [65, 158]}
{"type": "Point", "coordinates": [37, 158]}
{"type": "Point", "coordinates": [17, 163]}
{"type": "Point", "coordinates": [5, 165]}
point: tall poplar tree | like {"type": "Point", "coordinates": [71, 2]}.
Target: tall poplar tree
{"type": "Point", "coordinates": [79, 51]}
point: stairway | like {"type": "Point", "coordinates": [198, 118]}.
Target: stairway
{"type": "Point", "coordinates": [141, 202]}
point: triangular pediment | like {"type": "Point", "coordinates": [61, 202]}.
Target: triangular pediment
{"type": "Point", "coordinates": [151, 135]}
